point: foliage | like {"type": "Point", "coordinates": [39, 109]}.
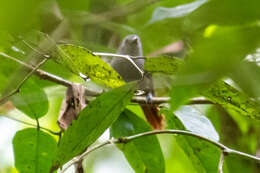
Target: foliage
{"type": "Point", "coordinates": [216, 59]}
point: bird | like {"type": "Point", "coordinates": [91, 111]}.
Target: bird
{"type": "Point", "coordinates": [132, 71]}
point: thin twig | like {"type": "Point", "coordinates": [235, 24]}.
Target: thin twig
{"type": "Point", "coordinates": [36, 50]}
{"type": "Point", "coordinates": [127, 57]}
{"type": "Point", "coordinates": [48, 76]}
{"type": "Point", "coordinates": [30, 124]}
{"type": "Point", "coordinates": [221, 162]}
{"type": "Point", "coordinates": [125, 140]}
{"type": "Point", "coordinates": [16, 90]}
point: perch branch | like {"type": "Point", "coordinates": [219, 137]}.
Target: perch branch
{"type": "Point", "coordinates": [56, 79]}
{"type": "Point", "coordinates": [124, 140]}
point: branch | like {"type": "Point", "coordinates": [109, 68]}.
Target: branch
{"type": "Point", "coordinates": [124, 140]}
{"type": "Point", "coordinates": [160, 100]}
{"type": "Point", "coordinates": [48, 76]}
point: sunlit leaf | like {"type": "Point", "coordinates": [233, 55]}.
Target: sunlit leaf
{"type": "Point", "coordinates": [81, 61]}
{"type": "Point", "coordinates": [143, 154]}
{"type": "Point", "coordinates": [92, 122]}
{"type": "Point", "coordinates": [202, 154]}
{"type": "Point", "coordinates": [33, 151]}
{"type": "Point", "coordinates": [31, 100]}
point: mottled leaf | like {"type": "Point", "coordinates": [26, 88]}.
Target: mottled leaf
{"type": "Point", "coordinates": [82, 61]}
{"type": "Point", "coordinates": [164, 64]}
{"type": "Point", "coordinates": [33, 151]}
{"type": "Point", "coordinates": [92, 121]}
{"type": "Point", "coordinates": [230, 98]}
{"type": "Point", "coordinates": [31, 100]}
{"type": "Point", "coordinates": [143, 154]}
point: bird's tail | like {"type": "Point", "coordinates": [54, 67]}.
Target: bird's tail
{"type": "Point", "coordinates": [151, 113]}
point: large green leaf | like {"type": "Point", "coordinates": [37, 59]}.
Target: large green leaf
{"type": "Point", "coordinates": [31, 100]}
{"type": "Point", "coordinates": [33, 151]}
{"type": "Point", "coordinates": [203, 155]}
{"type": "Point", "coordinates": [143, 154]}
{"type": "Point", "coordinates": [92, 122]}
{"type": "Point", "coordinates": [81, 61]}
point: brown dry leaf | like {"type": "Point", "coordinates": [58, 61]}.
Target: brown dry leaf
{"type": "Point", "coordinates": [71, 105]}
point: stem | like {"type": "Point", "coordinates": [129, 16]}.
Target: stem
{"type": "Point", "coordinates": [30, 124]}
{"type": "Point", "coordinates": [221, 162]}
{"type": "Point", "coordinates": [127, 57]}
{"type": "Point", "coordinates": [225, 149]}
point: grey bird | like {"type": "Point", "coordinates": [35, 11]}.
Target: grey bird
{"type": "Point", "coordinates": [131, 45]}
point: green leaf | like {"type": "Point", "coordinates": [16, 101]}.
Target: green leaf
{"type": "Point", "coordinates": [33, 151]}
{"type": "Point", "coordinates": [203, 155]}
{"type": "Point", "coordinates": [225, 95]}
{"type": "Point", "coordinates": [31, 100]}
{"type": "Point", "coordinates": [163, 64]}
{"type": "Point", "coordinates": [144, 154]}
{"type": "Point", "coordinates": [195, 122]}
{"type": "Point", "coordinates": [82, 61]}
{"type": "Point", "coordinates": [180, 94]}
{"type": "Point", "coordinates": [93, 121]}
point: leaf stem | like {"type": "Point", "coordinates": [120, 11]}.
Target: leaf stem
{"type": "Point", "coordinates": [30, 124]}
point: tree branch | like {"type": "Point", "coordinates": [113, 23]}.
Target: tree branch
{"type": "Point", "coordinates": [48, 76]}
{"type": "Point", "coordinates": [58, 80]}
{"type": "Point", "coordinates": [124, 140]}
